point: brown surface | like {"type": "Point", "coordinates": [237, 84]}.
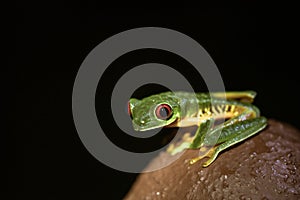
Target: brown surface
{"type": "Point", "coordinates": [265, 166]}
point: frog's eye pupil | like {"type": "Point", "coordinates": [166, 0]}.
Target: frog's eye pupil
{"type": "Point", "coordinates": [163, 111]}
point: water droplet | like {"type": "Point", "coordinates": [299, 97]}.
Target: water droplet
{"type": "Point", "coordinates": [200, 172]}
{"type": "Point", "coordinates": [272, 148]}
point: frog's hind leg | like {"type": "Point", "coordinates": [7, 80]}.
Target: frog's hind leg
{"type": "Point", "coordinates": [237, 133]}
{"type": "Point", "coordinates": [245, 96]}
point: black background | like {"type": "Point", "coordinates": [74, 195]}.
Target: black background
{"type": "Point", "coordinates": [253, 49]}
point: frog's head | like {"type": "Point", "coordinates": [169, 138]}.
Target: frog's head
{"type": "Point", "coordinates": [153, 112]}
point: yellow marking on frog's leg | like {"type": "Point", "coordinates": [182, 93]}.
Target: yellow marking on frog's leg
{"type": "Point", "coordinates": [208, 153]}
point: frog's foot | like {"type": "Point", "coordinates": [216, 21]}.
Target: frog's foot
{"type": "Point", "coordinates": [205, 153]}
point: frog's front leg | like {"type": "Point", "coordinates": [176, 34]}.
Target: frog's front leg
{"type": "Point", "coordinates": [185, 143]}
{"type": "Point", "coordinates": [192, 142]}
{"type": "Point", "coordinates": [233, 134]}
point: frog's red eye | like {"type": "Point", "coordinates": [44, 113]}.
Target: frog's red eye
{"type": "Point", "coordinates": [163, 111]}
{"type": "Point", "coordinates": [129, 110]}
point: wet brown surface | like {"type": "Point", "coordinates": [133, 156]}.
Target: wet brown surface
{"type": "Point", "coordinates": [265, 166]}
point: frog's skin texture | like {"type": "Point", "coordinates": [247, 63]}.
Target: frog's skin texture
{"type": "Point", "coordinates": [183, 109]}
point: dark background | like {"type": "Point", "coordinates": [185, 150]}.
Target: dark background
{"type": "Point", "coordinates": [253, 49]}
